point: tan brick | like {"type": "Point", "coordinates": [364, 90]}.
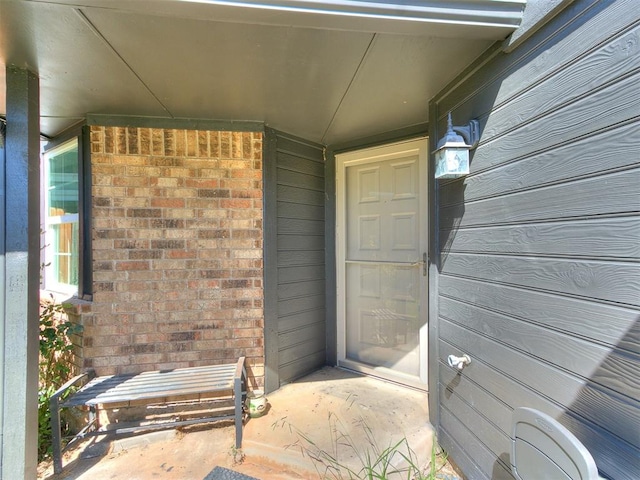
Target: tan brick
{"type": "Point", "coordinates": [179, 213]}
{"type": "Point", "coordinates": [235, 203]}
{"type": "Point", "coordinates": [142, 170]}
{"type": "Point", "coordinates": [182, 193]}
{"type": "Point", "coordinates": [143, 192]}
{"type": "Point", "coordinates": [110, 213]}
{"type": "Point", "coordinates": [236, 144]}
{"type": "Point", "coordinates": [109, 254]}
{"type": "Point", "coordinates": [180, 143]}
{"type": "Point", "coordinates": [120, 141]}
{"type": "Point", "coordinates": [101, 180]}
{"type": "Point", "coordinates": [108, 190]}
{"type": "Point", "coordinates": [139, 202]}
{"type": "Point", "coordinates": [109, 140]}
{"type": "Point", "coordinates": [126, 161]}
{"type": "Point", "coordinates": [144, 141]}
{"type": "Point", "coordinates": [170, 161]}
{"type": "Point", "coordinates": [145, 275]}
{"type": "Point", "coordinates": [186, 234]}
{"type": "Point", "coordinates": [131, 181]}
{"type": "Point", "coordinates": [225, 144]}
{"type": "Point", "coordinates": [135, 265]}
{"type": "Point", "coordinates": [247, 145]}
{"type": "Point", "coordinates": [235, 164]}
{"type": "Point", "coordinates": [148, 233]}
{"type": "Point", "coordinates": [183, 356]}
{"type": "Point", "coordinates": [100, 159]}
{"type": "Point", "coordinates": [191, 143]}
{"type": "Point", "coordinates": [147, 359]}
{"type": "Point", "coordinates": [132, 141]}
{"type": "Point", "coordinates": [156, 141]}
{"type": "Point", "coordinates": [214, 144]}
{"type": "Point", "coordinates": [203, 143]}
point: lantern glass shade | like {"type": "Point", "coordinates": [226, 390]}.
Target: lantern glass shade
{"type": "Point", "coordinates": [452, 162]}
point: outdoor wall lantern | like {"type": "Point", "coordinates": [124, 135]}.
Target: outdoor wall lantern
{"type": "Point", "coordinates": [452, 154]}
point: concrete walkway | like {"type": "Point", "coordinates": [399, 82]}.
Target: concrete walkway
{"type": "Point", "coordinates": [330, 412]}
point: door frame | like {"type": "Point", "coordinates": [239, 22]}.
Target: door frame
{"type": "Point", "coordinates": [364, 156]}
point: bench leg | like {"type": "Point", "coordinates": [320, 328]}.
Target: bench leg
{"type": "Point", "coordinates": [237, 394]}
{"type": "Point", "coordinates": [93, 417]}
{"type": "Point", "coordinates": [56, 436]}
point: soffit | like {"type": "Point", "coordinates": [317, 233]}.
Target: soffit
{"type": "Point", "coordinates": [327, 78]}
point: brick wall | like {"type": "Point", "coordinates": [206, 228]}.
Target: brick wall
{"type": "Point", "coordinates": [177, 250]}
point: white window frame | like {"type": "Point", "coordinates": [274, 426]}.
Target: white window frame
{"type": "Point", "coordinates": [49, 279]}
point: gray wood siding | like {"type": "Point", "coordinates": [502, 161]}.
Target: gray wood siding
{"type": "Point", "coordinates": [538, 249]}
{"type": "Point", "coordinates": [297, 215]}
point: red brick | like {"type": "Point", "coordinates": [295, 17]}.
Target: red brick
{"type": "Point", "coordinates": [167, 202]}
{"type": "Point", "coordinates": [180, 254]}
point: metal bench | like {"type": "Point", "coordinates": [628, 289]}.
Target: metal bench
{"type": "Point", "coordinates": [157, 387]}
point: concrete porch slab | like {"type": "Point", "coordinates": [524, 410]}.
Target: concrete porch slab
{"type": "Point", "coordinates": [331, 411]}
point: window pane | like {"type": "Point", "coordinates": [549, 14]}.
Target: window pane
{"type": "Point", "coordinates": [64, 259]}
{"type": "Point", "coordinates": [62, 188]}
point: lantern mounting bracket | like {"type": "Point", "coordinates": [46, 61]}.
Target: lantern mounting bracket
{"type": "Point", "coordinates": [470, 133]}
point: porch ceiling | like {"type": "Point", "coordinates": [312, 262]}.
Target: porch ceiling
{"type": "Point", "coordinates": [329, 71]}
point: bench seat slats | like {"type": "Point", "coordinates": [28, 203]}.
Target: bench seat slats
{"type": "Point", "coordinates": [150, 385]}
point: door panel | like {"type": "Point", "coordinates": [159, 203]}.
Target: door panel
{"type": "Point", "coordinates": [383, 319]}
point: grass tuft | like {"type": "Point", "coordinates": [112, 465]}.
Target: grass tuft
{"type": "Point", "coordinates": [373, 461]}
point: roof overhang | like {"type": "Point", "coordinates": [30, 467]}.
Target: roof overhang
{"type": "Point", "coordinates": [329, 71]}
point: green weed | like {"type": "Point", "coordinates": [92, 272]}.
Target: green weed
{"type": "Point", "coordinates": [372, 461]}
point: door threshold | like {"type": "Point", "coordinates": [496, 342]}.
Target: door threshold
{"type": "Point", "coordinates": [384, 374]}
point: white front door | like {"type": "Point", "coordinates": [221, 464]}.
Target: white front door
{"type": "Point", "coordinates": [381, 253]}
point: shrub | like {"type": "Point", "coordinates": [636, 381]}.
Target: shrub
{"type": "Point", "coordinates": [56, 350]}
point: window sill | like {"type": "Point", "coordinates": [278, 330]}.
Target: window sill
{"type": "Point", "coordinates": [75, 304]}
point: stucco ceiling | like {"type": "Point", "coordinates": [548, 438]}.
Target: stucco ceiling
{"type": "Point", "coordinates": [328, 78]}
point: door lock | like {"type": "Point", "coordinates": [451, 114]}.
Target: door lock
{"type": "Point", "coordinates": [424, 263]}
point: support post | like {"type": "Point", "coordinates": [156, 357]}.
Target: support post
{"type": "Point", "coordinates": [21, 276]}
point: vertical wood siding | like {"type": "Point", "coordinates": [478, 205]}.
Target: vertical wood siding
{"type": "Point", "coordinates": [299, 300]}
{"type": "Point", "coordinates": [539, 269]}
